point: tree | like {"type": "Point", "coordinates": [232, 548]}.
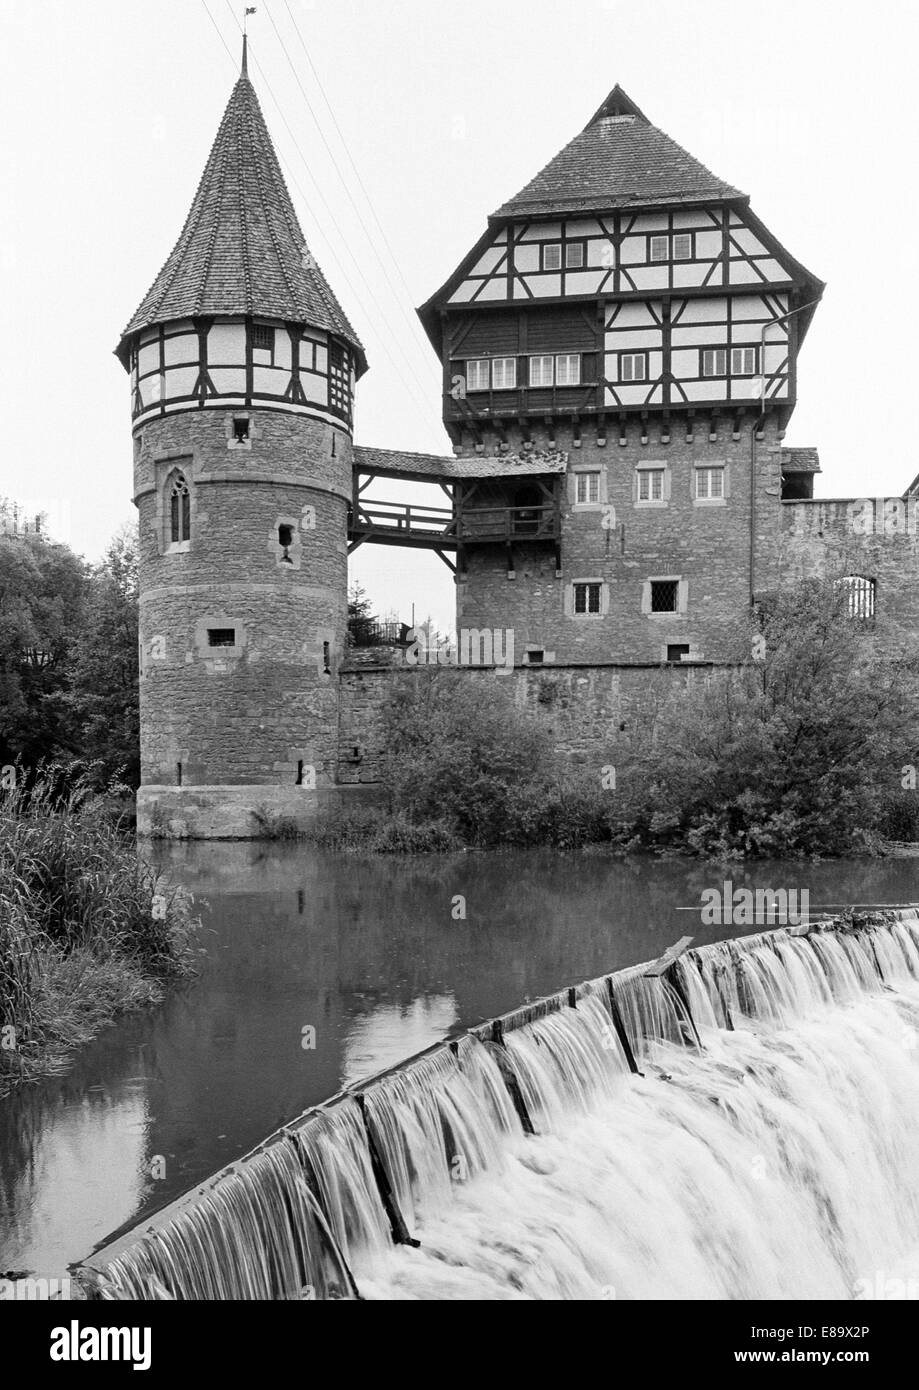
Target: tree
{"type": "Point", "coordinates": [103, 666]}
{"type": "Point", "coordinates": [42, 591]}
{"type": "Point", "coordinates": [797, 753]}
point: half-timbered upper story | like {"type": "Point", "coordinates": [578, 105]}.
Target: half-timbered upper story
{"type": "Point", "coordinates": [241, 314]}
{"type": "Point", "coordinates": [625, 277]}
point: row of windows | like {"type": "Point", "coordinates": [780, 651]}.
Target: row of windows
{"type": "Point", "coordinates": [664, 596]}
{"type": "Point", "coordinates": [709, 485]}
{"type": "Point", "coordinates": [664, 246]}
{"type": "Point", "coordinates": [564, 369]}
{"type": "Point", "coordinates": [633, 366]}
{"type": "Point", "coordinates": [859, 591]}
{"type": "Point", "coordinates": [575, 255]}
{"type": "Point", "coordinates": [500, 373]}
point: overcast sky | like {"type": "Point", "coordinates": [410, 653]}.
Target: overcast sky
{"type": "Point", "coordinates": [109, 109]}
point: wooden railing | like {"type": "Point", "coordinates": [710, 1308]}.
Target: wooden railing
{"type": "Point", "coordinates": [406, 523]}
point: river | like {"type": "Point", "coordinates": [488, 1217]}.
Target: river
{"type": "Point", "coordinates": [318, 969]}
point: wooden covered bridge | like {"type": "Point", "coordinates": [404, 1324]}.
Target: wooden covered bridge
{"type": "Point", "coordinates": [502, 500]}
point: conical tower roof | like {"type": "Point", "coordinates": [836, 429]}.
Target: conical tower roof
{"type": "Point", "coordinates": [241, 250]}
{"type": "Point", "coordinates": [619, 160]}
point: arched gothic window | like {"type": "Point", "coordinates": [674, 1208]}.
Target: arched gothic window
{"type": "Point", "coordinates": [179, 509]}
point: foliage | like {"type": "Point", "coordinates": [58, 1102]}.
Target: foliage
{"type": "Point", "coordinates": [458, 756]}
{"type": "Point", "coordinates": [796, 755]}
{"type": "Point", "coordinates": [86, 929]}
{"type": "Point", "coordinates": [68, 655]}
{"type": "Point", "coordinates": [103, 665]}
{"type": "Point", "coordinates": [42, 594]}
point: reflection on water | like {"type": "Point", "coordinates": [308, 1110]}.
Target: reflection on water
{"type": "Point", "coordinates": [319, 969]}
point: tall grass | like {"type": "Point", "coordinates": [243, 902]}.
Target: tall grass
{"type": "Point", "coordinates": [87, 931]}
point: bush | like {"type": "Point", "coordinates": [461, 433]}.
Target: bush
{"type": "Point", "coordinates": [86, 929]}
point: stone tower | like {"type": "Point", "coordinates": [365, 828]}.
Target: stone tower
{"type": "Point", "coordinates": [242, 368]}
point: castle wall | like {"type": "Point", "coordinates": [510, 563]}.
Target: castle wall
{"type": "Point", "coordinates": [875, 539]}
{"type": "Point", "coordinates": [626, 543]}
{"type": "Point", "coordinates": [590, 709]}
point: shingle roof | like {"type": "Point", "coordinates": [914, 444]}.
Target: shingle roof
{"type": "Point", "coordinates": [800, 461]}
{"type": "Point", "coordinates": [399, 463]}
{"type": "Point", "coordinates": [619, 159]}
{"type": "Point", "coordinates": [241, 250]}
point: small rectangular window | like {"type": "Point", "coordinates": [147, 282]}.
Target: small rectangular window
{"type": "Point", "coordinates": [262, 337]}
{"type": "Point", "coordinates": [542, 371]}
{"type": "Point", "coordinates": [677, 651]}
{"type": "Point", "coordinates": [714, 361]}
{"type": "Point", "coordinates": [535, 658]}
{"type": "Point", "coordinates": [241, 429]}
{"type": "Point", "coordinates": [504, 373]}
{"type": "Point", "coordinates": [743, 361]}
{"type": "Point", "coordinates": [221, 637]}
{"type": "Point", "coordinates": [664, 593]}
{"type": "Point", "coordinates": [659, 248]}
{"type": "Point", "coordinates": [860, 596]}
{"type": "Point", "coordinates": [633, 366]}
{"type": "Point", "coordinates": [651, 485]}
{"type": "Point", "coordinates": [568, 369]}
{"type": "Point", "coordinates": [552, 255]}
{"type": "Point", "coordinates": [710, 483]}
{"type": "Point", "coordinates": [478, 374]}
{"type": "Point", "coordinates": [574, 254]}
{"type": "Point", "coordinates": [587, 597]}
{"type": "Point", "coordinates": [586, 488]}
{"type": "Point", "coordinates": [682, 246]}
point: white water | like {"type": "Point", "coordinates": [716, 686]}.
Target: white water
{"type": "Point", "coordinates": [778, 1162]}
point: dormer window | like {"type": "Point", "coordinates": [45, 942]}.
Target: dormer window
{"type": "Point", "coordinates": [179, 510]}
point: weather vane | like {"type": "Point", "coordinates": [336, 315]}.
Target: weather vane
{"type": "Point", "coordinates": [250, 9]}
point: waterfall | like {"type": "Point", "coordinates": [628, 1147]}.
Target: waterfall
{"type": "Point", "coordinates": [743, 1123]}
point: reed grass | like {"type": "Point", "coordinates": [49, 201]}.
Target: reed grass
{"type": "Point", "coordinates": [87, 931]}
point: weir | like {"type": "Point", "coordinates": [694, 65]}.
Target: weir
{"type": "Point", "coordinates": [735, 1120]}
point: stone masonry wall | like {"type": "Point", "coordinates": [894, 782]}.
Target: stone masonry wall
{"type": "Point", "coordinates": [591, 709]}
{"type": "Point", "coordinates": [251, 713]}
{"type": "Point", "coordinates": [876, 539]}
{"type": "Point", "coordinates": [705, 545]}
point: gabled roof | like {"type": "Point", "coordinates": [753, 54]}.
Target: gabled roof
{"type": "Point", "coordinates": [241, 250]}
{"type": "Point", "coordinates": [619, 160]}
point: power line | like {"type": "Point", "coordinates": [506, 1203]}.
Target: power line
{"type": "Point", "coordinates": [347, 150]}
{"type": "Point", "coordinates": [371, 238]}
{"type": "Point", "coordinates": [421, 396]}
